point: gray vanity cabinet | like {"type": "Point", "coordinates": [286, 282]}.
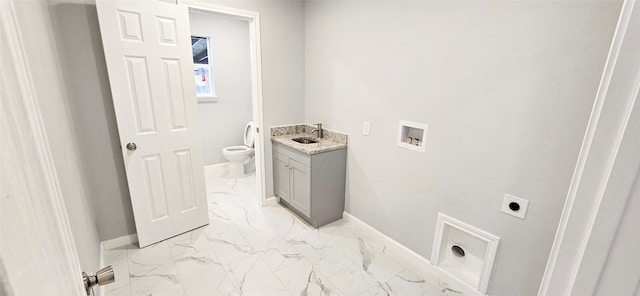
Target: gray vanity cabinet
{"type": "Point", "coordinates": [300, 187]}
{"type": "Point", "coordinates": [281, 175]}
{"type": "Point", "coordinates": [312, 186]}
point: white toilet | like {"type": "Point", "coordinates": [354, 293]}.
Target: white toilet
{"type": "Point", "coordinates": [238, 156]}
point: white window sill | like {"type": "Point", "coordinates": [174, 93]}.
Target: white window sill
{"type": "Point", "coordinates": [204, 100]}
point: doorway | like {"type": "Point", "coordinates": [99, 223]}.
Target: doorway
{"type": "Point", "coordinates": [226, 49]}
{"type": "Point", "coordinates": [157, 110]}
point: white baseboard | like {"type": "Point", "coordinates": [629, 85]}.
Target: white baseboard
{"type": "Point", "coordinates": [102, 290]}
{"type": "Point", "coordinates": [110, 244]}
{"type": "Point", "coordinates": [271, 201]}
{"type": "Point", "coordinates": [413, 256]}
{"type": "Point", "coordinates": [101, 255]}
{"type": "Point", "coordinates": [119, 242]}
{"type": "Point", "coordinates": [218, 168]}
{"type": "Point", "coordinates": [415, 261]}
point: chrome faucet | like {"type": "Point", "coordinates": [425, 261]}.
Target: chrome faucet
{"type": "Point", "coordinates": [318, 129]}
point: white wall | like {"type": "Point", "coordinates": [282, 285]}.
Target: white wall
{"type": "Point", "coordinates": [222, 123]}
{"type": "Point", "coordinates": [77, 35]}
{"type": "Point", "coordinates": [39, 42]}
{"type": "Point", "coordinates": [506, 88]}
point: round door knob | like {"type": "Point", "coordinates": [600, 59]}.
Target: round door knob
{"type": "Point", "coordinates": [132, 146]}
{"type": "Point", "coordinates": [105, 276]}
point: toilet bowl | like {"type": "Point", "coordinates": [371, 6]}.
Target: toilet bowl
{"type": "Point", "coordinates": [238, 156]}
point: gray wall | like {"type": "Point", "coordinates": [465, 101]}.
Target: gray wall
{"type": "Point", "coordinates": [77, 35]}
{"type": "Point", "coordinates": [506, 88]}
{"type": "Point", "coordinates": [42, 57]}
{"type": "Point", "coordinates": [283, 61]}
{"type": "Point", "coordinates": [222, 123]}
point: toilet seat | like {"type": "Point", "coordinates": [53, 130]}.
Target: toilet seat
{"type": "Point", "coordinates": [249, 135]}
{"type": "Point", "coordinates": [235, 150]}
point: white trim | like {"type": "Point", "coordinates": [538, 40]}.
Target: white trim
{"type": "Point", "coordinates": [102, 290]}
{"type": "Point", "coordinates": [112, 244]}
{"type": "Point", "coordinates": [218, 168]}
{"type": "Point", "coordinates": [211, 97]}
{"type": "Point", "coordinates": [231, 12]}
{"type": "Point", "coordinates": [402, 140]}
{"type": "Point", "coordinates": [595, 163]}
{"type": "Point", "coordinates": [41, 142]}
{"type": "Point", "coordinates": [271, 202]}
{"type": "Point", "coordinates": [491, 248]}
{"type": "Point", "coordinates": [32, 114]}
{"type": "Point", "coordinates": [207, 100]}
{"type": "Point", "coordinates": [413, 260]}
{"type": "Point", "coordinates": [256, 78]}
{"type": "Point", "coordinates": [408, 252]}
{"type": "Point", "coordinates": [119, 241]}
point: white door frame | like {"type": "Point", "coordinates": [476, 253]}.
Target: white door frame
{"type": "Point", "coordinates": [256, 77]}
{"type": "Point", "coordinates": [592, 210]}
{"type": "Point", "coordinates": [37, 250]}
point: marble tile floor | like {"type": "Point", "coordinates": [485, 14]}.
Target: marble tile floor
{"type": "Point", "coordinates": [252, 250]}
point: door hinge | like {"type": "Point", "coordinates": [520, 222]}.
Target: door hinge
{"type": "Point", "coordinates": [257, 129]}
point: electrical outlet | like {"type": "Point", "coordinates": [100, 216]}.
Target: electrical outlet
{"type": "Point", "coordinates": [515, 206]}
{"type": "Point", "coordinates": [365, 128]}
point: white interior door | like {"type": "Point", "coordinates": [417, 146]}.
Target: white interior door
{"type": "Point", "coordinates": [595, 249]}
{"type": "Point", "coordinates": [37, 252]}
{"type": "Point", "coordinates": [147, 46]}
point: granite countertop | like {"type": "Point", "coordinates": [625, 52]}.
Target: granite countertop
{"type": "Point", "coordinates": [331, 140]}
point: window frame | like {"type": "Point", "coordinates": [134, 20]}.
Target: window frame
{"type": "Point", "coordinates": [211, 97]}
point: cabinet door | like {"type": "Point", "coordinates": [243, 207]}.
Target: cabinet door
{"type": "Point", "coordinates": [300, 187]}
{"type": "Point", "coordinates": [281, 176]}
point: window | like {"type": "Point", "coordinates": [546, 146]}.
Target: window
{"type": "Point", "coordinates": [202, 70]}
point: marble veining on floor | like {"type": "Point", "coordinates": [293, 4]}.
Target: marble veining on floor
{"type": "Point", "coordinates": [252, 250]}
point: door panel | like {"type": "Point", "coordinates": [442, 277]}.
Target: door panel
{"type": "Point", "coordinates": [130, 25]}
{"type": "Point", "coordinates": [140, 94]}
{"type": "Point", "coordinates": [183, 160]}
{"type": "Point", "coordinates": [300, 187]}
{"type": "Point", "coordinates": [281, 176]}
{"type": "Point", "coordinates": [173, 81]}
{"type": "Point", "coordinates": [167, 31]}
{"type": "Point", "coordinates": [147, 48]}
{"type": "Point", "coordinates": [155, 194]}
